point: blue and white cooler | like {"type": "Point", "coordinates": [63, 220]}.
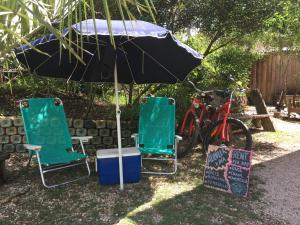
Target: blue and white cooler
{"type": "Point", "coordinates": [107, 166]}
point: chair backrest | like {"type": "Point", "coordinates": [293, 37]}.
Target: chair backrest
{"type": "Point", "coordinates": [157, 123]}
{"type": "Point", "coordinates": [46, 125]}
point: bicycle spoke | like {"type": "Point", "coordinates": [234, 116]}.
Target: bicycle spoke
{"type": "Point", "coordinates": [236, 135]}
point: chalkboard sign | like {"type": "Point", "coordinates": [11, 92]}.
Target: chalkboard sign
{"type": "Point", "coordinates": [216, 178]}
{"type": "Point", "coordinates": [238, 178]}
{"type": "Point", "coordinates": [228, 169]}
{"type": "Point", "coordinates": [241, 158]}
{"type": "Point", "coordinates": [218, 158]}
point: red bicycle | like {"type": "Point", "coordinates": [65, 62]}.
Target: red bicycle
{"type": "Point", "coordinates": [212, 125]}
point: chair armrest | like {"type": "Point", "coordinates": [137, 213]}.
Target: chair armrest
{"type": "Point", "coordinates": [178, 138]}
{"type": "Point", "coordinates": [33, 147]}
{"type": "Point", "coordinates": [135, 135]}
{"type": "Point", "coordinates": [82, 139]}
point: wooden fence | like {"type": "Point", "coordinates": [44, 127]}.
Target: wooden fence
{"type": "Point", "coordinates": [270, 74]}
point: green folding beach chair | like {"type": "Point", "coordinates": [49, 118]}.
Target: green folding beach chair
{"type": "Point", "coordinates": [48, 137]}
{"type": "Point", "coordinates": [156, 135]}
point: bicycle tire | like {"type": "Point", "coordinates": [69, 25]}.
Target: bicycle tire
{"type": "Point", "coordinates": [244, 136]}
{"type": "Point", "coordinates": [188, 139]}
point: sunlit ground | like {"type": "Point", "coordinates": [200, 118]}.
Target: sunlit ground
{"type": "Point", "coordinates": [178, 199]}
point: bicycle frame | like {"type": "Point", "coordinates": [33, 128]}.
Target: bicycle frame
{"type": "Point", "coordinates": [222, 113]}
{"type": "Point", "coordinates": [192, 109]}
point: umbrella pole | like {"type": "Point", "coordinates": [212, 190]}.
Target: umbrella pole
{"type": "Point", "coordinates": [118, 115]}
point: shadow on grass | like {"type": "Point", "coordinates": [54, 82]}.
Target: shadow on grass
{"type": "Point", "coordinates": [207, 206]}
{"type": "Point", "coordinates": [199, 206]}
{"type": "Point", "coordinates": [179, 199]}
{"type": "Point", "coordinates": [24, 200]}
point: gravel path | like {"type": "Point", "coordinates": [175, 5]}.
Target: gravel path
{"type": "Point", "coordinates": [281, 177]}
{"type": "Point", "coordinates": [282, 185]}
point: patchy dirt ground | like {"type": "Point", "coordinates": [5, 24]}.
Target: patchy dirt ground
{"type": "Point", "coordinates": [278, 160]}
{"type": "Point", "coordinates": [180, 199]}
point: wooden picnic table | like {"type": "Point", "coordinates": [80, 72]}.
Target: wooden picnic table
{"type": "Point", "coordinates": [293, 104]}
{"type": "Point", "coordinates": [262, 116]}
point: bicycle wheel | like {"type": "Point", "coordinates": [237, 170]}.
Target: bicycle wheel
{"type": "Point", "coordinates": [238, 135]}
{"type": "Point", "coordinates": [189, 135]}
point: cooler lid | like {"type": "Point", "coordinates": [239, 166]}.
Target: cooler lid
{"type": "Point", "coordinates": [113, 152]}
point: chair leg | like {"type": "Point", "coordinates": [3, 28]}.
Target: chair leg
{"type": "Point", "coordinates": [177, 139]}
{"type": "Point", "coordinates": [29, 160]}
{"type": "Point", "coordinates": [42, 172]}
{"type": "Point", "coordinates": [162, 173]}
{"type": "Point", "coordinates": [88, 167]}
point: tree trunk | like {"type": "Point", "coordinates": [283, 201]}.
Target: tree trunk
{"type": "Point", "coordinates": [147, 88]}
{"type": "Point", "coordinates": [157, 88]}
{"type": "Point", "coordinates": [130, 94]}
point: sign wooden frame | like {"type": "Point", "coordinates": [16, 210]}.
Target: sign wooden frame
{"type": "Point", "coordinates": [228, 169]}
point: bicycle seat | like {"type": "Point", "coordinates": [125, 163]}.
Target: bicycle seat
{"type": "Point", "coordinates": [222, 93]}
{"type": "Point", "coordinates": [208, 98]}
{"type": "Point", "coordinates": [211, 109]}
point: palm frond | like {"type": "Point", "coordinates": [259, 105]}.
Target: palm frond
{"type": "Point", "coordinates": [22, 20]}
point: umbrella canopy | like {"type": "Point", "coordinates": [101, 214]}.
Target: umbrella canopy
{"type": "Point", "coordinates": [146, 53]}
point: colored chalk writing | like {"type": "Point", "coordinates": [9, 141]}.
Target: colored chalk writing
{"type": "Point", "coordinates": [216, 179]}
{"type": "Point", "coordinates": [238, 178]}
{"type": "Point", "coordinates": [218, 158]}
{"type": "Point", "coordinates": [228, 170]}
{"type": "Point", "coordinates": [241, 158]}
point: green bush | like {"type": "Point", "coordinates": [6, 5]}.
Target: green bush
{"type": "Point", "coordinates": [235, 61]}
{"type": "Point", "coordinates": [213, 73]}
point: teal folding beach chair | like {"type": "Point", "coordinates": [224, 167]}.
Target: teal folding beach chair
{"type": "Point", "coordinates": [156, 139]}
{"type": "Point", "coordinates": [48, 137]}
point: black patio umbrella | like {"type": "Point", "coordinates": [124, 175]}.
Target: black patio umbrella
{"type": "Point", "coordinates": [144, 53]}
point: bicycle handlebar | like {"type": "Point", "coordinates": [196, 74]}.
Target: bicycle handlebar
{"type": "Point", "coordinates": [194, 86]}
{"type": "Point", "coordinates": [211, 91]}
{"type": "Point", "coordinates": [197, 89]}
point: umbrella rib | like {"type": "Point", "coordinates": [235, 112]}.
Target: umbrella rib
{"type": "Point", "coordinates": [100, 41]}
{"type": "Point", "coordinates": [143, 63]}
{"type": "Point", "coordinates": [52, 56]}
{"type": "Point", "coordinates": [128, 40]}
{"type": "Point", "coordinates": [84, 72]}
{"type": "Point", "coordinates": [154, 60]}
{"type": "Point", "coordinates": [72, 71]}
{"type": "Point", "coordinates": [128, 64]}
{"type": "Point", "coordinates": [25, 58]}
{"type": "Point", "coordinates": [46, 60]}
{"type": "Point", "coordinates": [102, 44]}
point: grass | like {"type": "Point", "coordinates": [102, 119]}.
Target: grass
{"type": "Point", "coordinates": [178, 199]}
{"type": "Point", "coordinates": [282, 137]}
